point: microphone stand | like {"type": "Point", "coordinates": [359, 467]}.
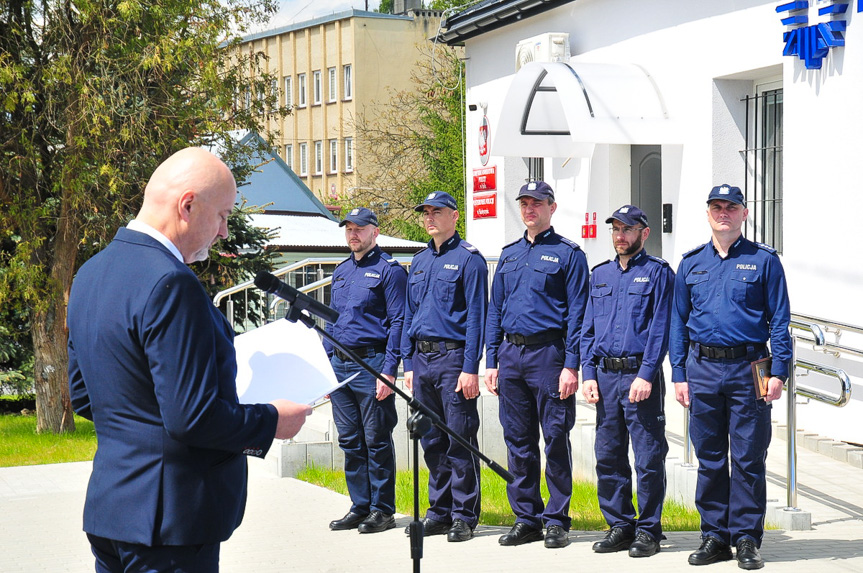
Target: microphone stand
{"type": "Point", "coordinates": [419, 423]}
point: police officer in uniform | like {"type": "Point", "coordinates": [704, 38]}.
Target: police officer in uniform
{"type": "Point", "coordinates": [623, 344]}
{"type": "Point", "coordinates": [537, 304]}
{"type": "Point", "coordinates": [368, 291]}
{"type": "Point", "coordinates": [441, 345]}
{"type": "Point", "coordinates": [730, 298]}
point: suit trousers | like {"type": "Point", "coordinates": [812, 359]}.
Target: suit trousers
{"type": "Point", "coordinates": [121, 557]}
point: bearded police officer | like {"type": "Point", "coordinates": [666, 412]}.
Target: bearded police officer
{"type": "Point", "coordinates": [441, 345]}
{"type": "Point", "coordinates": [368, 292]}
{"type": "Point", "coordinates": [730, 298]}
{"type": "Point", "coordinates": [623, 344]}
{"type": "Point", "coordinates": [534, 323]}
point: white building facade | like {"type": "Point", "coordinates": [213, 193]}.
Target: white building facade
{"type": "Point", "coordinates": [654, 103]}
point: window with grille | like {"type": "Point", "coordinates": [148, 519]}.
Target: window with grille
{"type": "Point", "coordinates": [763, 153]}
{"type": "Point", "coordinates": [535, 168]}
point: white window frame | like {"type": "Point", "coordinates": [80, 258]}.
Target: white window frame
{"type": "Point", "coordinates": [334, 155]}
{"type": "Point", "coordinates": [347, 74]}
{"type": "Point", "coordinates": [317, 87]}
{"type": "Point", "coordinates": [301, 90]}
{"type": "Point", "coordinates": [319, 157]}
{"type": "Point", "coordinates": [289, 156]}
{"type": "Point", "coordinates": [274, 91]}
{"type": "Point", "coordinates": [333, 88]}
{"type": "Point", "coordinates": [349, 155]}
{"type": "Point", "coordinates": [289, 91]}
{"type": "Point", "coordinates": [304, 159]}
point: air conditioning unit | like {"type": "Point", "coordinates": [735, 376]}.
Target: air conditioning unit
{"type": "Point", "coordinates": [548, 47]}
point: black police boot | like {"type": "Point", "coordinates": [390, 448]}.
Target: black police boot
{"type": "Point", "coordinates": [615, 540]}
{"type": "Point", "coordinates": [350, 521]}
{"type": "Point", "coordinates": [644, 545]}
{"type": "Point", "coordinates": [711, 551]}
{"type": "Point", "coordinates": [748, 556]}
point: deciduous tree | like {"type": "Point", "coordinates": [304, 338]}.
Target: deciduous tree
{"type": "Point", "coordinates": [93, 95]}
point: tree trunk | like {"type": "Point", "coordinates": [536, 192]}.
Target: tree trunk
{"type": "Point", "coordinates": [53, 406]}
{"type": "Point", "coordinates": [50, 355]}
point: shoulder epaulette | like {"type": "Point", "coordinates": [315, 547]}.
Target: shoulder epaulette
{"type": "Point", "coordinates": [393, 261]}
{"type": "Point", "coordinates": [343, 262]}
{"type": "Point", "coordinates": [767, 248]}
{"type": "Point", "coordinates": [469, 247]}
{"type": "Point", "coordinates": [695, 250]}
{"type": "Point", "coordinates": [570, 242]}
{"type": "Point", "coordinates": [662, 262]}
{"type": "Point", "coordinates": [605, 262]}
{"type": "Point", "coordinates": [512, 243]}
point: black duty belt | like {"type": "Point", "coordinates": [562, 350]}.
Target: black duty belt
{"type": "Point", "coordinates": [728, 352]}
{"type": "Point", "coordinates": [438, 346]}
{"type": "Point", "coordinates": [620, 364]}
{"type": "Point", "coordinates": [547, 336]}
{"type": "Point", "coordinates": [362, 352]}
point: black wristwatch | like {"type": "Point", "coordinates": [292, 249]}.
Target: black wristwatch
{"type": "Point", "coordinates": [783, 378]}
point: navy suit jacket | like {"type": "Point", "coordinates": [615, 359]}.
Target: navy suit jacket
{"type": "Point", "coordinates": [152, 363]}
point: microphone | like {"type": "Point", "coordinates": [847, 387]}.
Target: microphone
{"type": "Point", "coordinates": [268, 282]}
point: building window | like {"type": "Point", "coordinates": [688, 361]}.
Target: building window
{"type": "Point", "coordinates": [332, 88]}
{"type": "Point", "coordinates": [319, 157]}
{"type": "Point", "coordinates": [334, 155]}
{"type": "Point", "coordinates": [535, 168]}
{"type": "Point", "coordinates": [289, 91]}
{"type": "Point", "coordinates": [763, 176]}
{"type": "Point", "coordinates": [316, 87]}
{"type": "Point", "coordinates": [349, 154]}
{"type": "Point", "coordinates": [289, 156]}
{"type": "Point", "coordinates": [301, 90]}
{"type": "Point", "coordinates": [274, 92]}
{"type": "Point", "coordinates": [247, 99]}
{"type": "Point", "coordinates": [349, 90]}
{"type": "Point", "coordinates": [304, 159]}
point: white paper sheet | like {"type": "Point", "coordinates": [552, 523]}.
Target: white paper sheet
{"type": "Point", "coordinates": [283, 360]}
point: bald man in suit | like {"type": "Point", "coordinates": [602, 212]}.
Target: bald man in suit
{"type": "Point", "coordinates": [152, 363]}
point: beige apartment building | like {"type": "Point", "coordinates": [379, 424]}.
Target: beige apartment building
{"type": "Point", "coordinates": [330, 69]}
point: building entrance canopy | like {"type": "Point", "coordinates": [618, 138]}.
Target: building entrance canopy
{"type": "Point", "coordinates": [563, 109]}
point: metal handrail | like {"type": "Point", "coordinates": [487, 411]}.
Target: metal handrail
{"type": "Point", "coordinates": [811, 325]}
{"type": "Point", "coordinates": [836, 328]}
{"type": "Point", "coordinates": [278, 272]}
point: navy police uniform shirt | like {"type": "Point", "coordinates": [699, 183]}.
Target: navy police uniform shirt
{"type": "Point", "coordinates": [628, 314]}
{"type": "Point", "coordinates": [369, 295]}
{"type": "Point", "coordinates": [537, 287]}
{"type": "Point", "coordinates": [730, 302]}
{"type": "Point", "coordinates": [447, 299]}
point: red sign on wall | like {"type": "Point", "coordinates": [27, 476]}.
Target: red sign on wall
{"type": "Point", "coordinates": [484, 205]}
{"type": "Point", "coordinates": [485, 179]}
